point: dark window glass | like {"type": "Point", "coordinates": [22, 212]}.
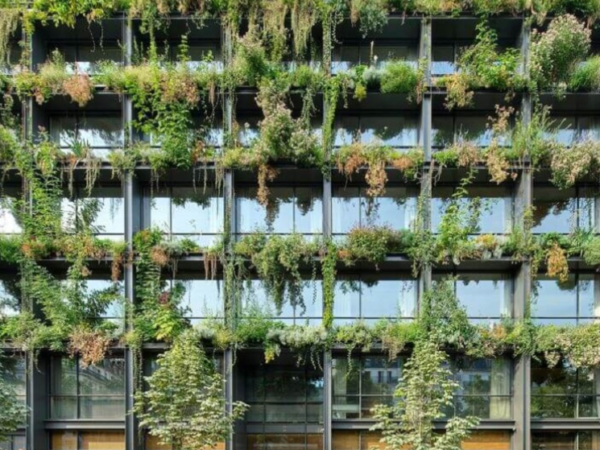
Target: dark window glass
{"type": "Point", "coordinates": [87, 392]}
{"type": "Point", "coordinates": [563, 391]}
{"type": "Point", "coordinates": [565, 440]}
{"type": "Point", "coordinates": [369, 381]}
{"type": "Point", "coordinates": [281, 394]}
{"type": "Point", "coordinates": [484, 387]}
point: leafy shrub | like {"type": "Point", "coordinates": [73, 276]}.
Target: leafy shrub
{"type": "Point", "coordinates": [587, 76]}
{"type": "Point", "coordinates": [554, 54]}
{"type": "Point", "coordinates": [399, 77]}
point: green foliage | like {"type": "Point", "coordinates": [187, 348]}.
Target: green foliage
{"type": "Point", "coordinates": [482, 66]}
{"type": "Point", "coordinates": [351, 159]}
{"type": "Point", "coordinates": [425, 390]}
{"type": "Point", "coordinates": [278, 261]}
{"type": "Point", "coordinates": [372, 244]}
{"type": "Point", "coordinates": [159, 314]}
{"type": "Point", "coordinates": [443, 319]}
{"type": "Point", "coordinates": [54, 78]}
{"type": "Point", "coordinates": [591, 252]}
{"type": "Point", "coordinates": [586, 76]}
{"type": "Point", "coordinates": [66, 12]}
{"type": "Point", "coordinates": [554, 54]}
{"type": "Point", "coordinates": [13, 413]}
{"type": "Point", "coordinates": [329, 271]}
{"type": "Point", "coordinates": [184, 405]}
{"type": "Point", "coordinates": [399, 77]}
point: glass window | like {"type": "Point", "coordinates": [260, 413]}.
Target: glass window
{"type": "Point", "coordinates": [13, 370]}
{"type": "Point", "coordinates": [567, 303]}
{"type": "Point", "coordinates": [290, 210]}
{"type": "Point", "coordinates": [487, 298]}
{"type": "Point", "coordinates": [369, 381]}
{"type": "Point", "coordinates": [85, 58]}
{"type": "Point", "coordinates": [447, 130]}
{"type": "Point", "coordinates": [496, 208]}
{"type": "Point", "coordinates": [562, 211]}
{"type": "Point", "coordinates": [346, 57]}
{"type": "Point", "coordinates": [283, 394]}
{"type": "Point", "coordinates": [484, 387]}
{"type": "Point", "coordinates": [199, 54]}
{"type": "Point", "coordinates": [399, 131]}
{"type": "Point", "coordinates": [305, 306]}
{"type": "Point", "coordinates": [202, 298]}
{"type": "Point", "coordinates": [10, 296]}
{"type": "Point", "coordinates": [568, 130]}
{"type": "Point", "coordinates": [351, 207]}
{"type": "Point", "coordinates": [109, 291]}
{"type": "Point", "coordinates": [565, 440]}
{"type": "Point", "coordinates": [100, 134]}
{"type": "Point", "coordinates": [374, 298]}
{"type": "Point", "coordinates": [15, 442]}
{"type": "Point", "coordinates": [103, 212]}
{"type": "Point", "coordinates": [193, 213]}
{"type": "Point", "coordinates": [563, 391]}
{"type": "Point", "coordinates": [442, 131]}
{"type": "Point", "coordinates": [443, 60]}
{"type": "Point", "coordinates": [8, 220]}
{"type": "Point", "coordinates": [12, 59]}
{"type": "Point", "coordinates": [87, 392]}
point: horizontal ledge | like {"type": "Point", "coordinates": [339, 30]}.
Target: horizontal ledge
{"type": "Point", "coordinates": [565, 424]}
{"type": "Point", "coordinates": [484, 424]}
{"type": "Point", "coordinates": [85, 424]}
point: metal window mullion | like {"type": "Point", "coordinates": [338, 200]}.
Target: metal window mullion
{"type": "Point", "coordinates": [78, 390]}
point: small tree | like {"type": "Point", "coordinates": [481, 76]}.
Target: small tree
{"type": "Point", "coordinates": [13, 413]}
{"type": "Point", "coordinates": [184, 405]}
{"type": "Point", "coordinates": [425, 389]}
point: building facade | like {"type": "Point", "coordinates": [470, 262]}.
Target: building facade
{"type": "Point", "coordinates": [322, 402]}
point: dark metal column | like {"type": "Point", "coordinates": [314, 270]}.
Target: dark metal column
{"type": "Point", "coordinates": [522, 283]}
{"type": "Point", "coordinates": [425, 144]}
{"type": "Point", "coordinates": [230, 227]}
{"type": "Point", "coordinates": [133, 214]}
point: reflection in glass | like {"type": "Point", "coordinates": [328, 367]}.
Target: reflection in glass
{"type": "Point", "coordinates": [486, 296]}
{"type": "Point", "coordinates": [87, 392]}
{"type": "Point", "coordinates": [377, 298]}
{"type": "Point", "coordinates": [562, 211]}
{"type": "Point", "coordinates": [351, 207]}
{"type": "Point", "coordinates": [495, 209]}
{"type": "Point", "coordinates": [290, 210]}
{"type": "Point", "coordinates": [563, 391]}
{"type": "Point", "coordinates": [101, 134]}
{"type": "Point", "coordinates": [569, 303]}
{"type": "Point", "coordinates": [392, 130]}
{"type": "Point", "coordinates": [370, 381]}
{"type": "Point", "coordinates": [306, 308]}
{"type": "Point", "coordinates": [282, 394]}
{"type": "Point", "coordinates": [193, 213]}
{"type": "Point", "coordinates": [103, 212]}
